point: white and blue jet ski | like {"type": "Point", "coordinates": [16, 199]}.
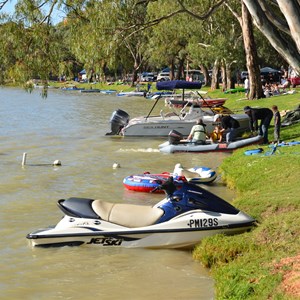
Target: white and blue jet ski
{"type": "Point", "coordinates": [180, 220]}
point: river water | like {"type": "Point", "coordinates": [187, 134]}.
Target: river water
{"type": "Point", "coordinates": [70, 126]}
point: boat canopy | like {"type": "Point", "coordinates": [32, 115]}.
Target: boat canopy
{"type": "Point", "coordinates": [177, 84]}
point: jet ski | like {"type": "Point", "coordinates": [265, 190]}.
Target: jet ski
{"type": "Point", "coordinates": [180, 220]}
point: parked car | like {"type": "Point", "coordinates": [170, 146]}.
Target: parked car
{"type": "Point", "coordinates": [147, 76]}
{"type": "Point", "coordinates": [244, 75]}
{"type": "Point", "coordinates": [163, 76]}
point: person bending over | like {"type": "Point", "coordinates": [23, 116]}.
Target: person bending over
{"type": "Point", "coordinates": [265, 116]}
{"type": "Point", "coordinates": [230, 124]}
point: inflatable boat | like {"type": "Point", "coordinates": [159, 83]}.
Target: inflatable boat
{"type": "Point", "coordinates": [172, 145]}
{"type": "Point", "coordinates": [146, 182]}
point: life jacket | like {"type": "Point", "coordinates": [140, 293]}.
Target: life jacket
{"type": "Point", "coordinates": [215, 135]}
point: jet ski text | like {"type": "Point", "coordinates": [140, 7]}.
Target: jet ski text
{"type": "Point", "coordinates": [197, 223]}
{"type": "Point", "coordinates": [106, 241]}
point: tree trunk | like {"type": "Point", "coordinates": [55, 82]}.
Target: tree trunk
{"type": "Point", "coordinates": [229, 79]}
{"type": "Point", "coordinates": [224, 75]}
{"type": "Point", "coordinates": [180, 69]}
{"type": "Point", "coordinates": [251, 55]}
{"type": "Point", "coordinates": [214, 76]}
{"type": "Point", "coordinates": [172, 71]}
{"type": "Point", "coordinates": [204, 70]}
{"type": "Point", "coordinates": [291, 11]}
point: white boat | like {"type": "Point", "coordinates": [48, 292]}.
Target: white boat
{"type": "Point", "coordinates": [169, 147]}
{"type": "Point", "coordinates": [160, 125]}
{"type": "Point", "coordinates": [108, 92]}
{"type": "Point", "coordinates": [132, 94]}
{"type": "Point", "coordinates": [181, 220]}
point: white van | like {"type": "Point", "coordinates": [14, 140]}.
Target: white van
{"type": "Point", "coordinates": [163, 76]}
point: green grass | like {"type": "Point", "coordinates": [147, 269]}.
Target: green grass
{"type": "Point", "coordinates": [268, 189]}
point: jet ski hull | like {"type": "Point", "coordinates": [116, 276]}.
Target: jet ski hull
{"type": "Point", "coordinates": [182, 232]}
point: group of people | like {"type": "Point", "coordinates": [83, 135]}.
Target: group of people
{"type": "Point", "coordinates": [199, 134]}
{"type": "Point", "coordinates": [269, 89]}
{"type": "Point", "coordinates": [227, 123]}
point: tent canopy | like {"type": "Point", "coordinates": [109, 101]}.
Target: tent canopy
{"type": "Point", "coordinates": [177, 84]}
{"type": "Point", "coordinates": [268, 70]}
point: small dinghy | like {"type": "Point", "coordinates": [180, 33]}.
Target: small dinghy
{"type": "Point", "coordinates": [90, 91]}
{"type": "Point", "coordinates": [132, 94]}
{"type": "Point", "coordinates": [174, 144]}
{"type": "Point", "coordinates": [108, 92]}
{"type": "Point", "coordinates": [181, 220]}
{"type": "Point", "coordinates": [147, 182]}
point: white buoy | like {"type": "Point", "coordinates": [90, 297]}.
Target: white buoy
{"type": "Point", "coordinates": [24, 159]}
{"type": "Point", "coordinates": [57, 163]}
{"type": "Point", "coordinates": [116, 165]}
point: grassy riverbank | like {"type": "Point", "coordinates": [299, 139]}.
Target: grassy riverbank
{"type": "Point", "coordinates": [264, 263]}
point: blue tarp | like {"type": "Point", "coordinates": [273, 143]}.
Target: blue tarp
{"type": "Point", "coordinates": [177, 84]}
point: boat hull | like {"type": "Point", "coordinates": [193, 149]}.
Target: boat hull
{"type": "Point", "coordinates": [161, 126]}
{"type": "Point", "coordinates": [191, 147]}
{"type": "Point", "coordinates": [182, 232]}
{"type": "Point", "coordinates": [148, 182]}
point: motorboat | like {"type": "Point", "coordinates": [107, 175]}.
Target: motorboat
{"type": "Point", "coordinates": [160, 125]}
{"type": "Point", "coordinates": [72, 88]}
{"type": "Point", "coordinates": [181, 220]}
{"type": "Point", "coordinates": [90, 91]}
{"type": "Point", "coordinates": [108, 92]}
{"type": "Point", "coordinates": [200, 98]}
{"type": "Point", "coordinates": [146, 182]}
{"type": "Point", "coordinates": [154, 95]}
{"type": "Point", "coordinates": [174, 144]}
{"type": "Point", "coordinates": [132, 94]}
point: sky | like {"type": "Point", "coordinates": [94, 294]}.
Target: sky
{"type": "Point", "coordinates": [9, 8]}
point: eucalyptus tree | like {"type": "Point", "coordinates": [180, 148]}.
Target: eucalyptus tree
{"type": "Point", "coordinates": [279, 21]}
{"type": "Point", "coordinates": [218, 44]}
{"type": "Point", "coordinates": [111, 34]}
{"type": "Point", "coordinates": [35, 44]}
{"type": "Point", "coordinates": [169, 38]}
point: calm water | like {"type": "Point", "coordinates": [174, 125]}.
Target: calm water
{"type": "Point", "coordinates": [71, 127]}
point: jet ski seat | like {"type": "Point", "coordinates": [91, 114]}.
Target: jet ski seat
{"type": "Point", "coordinates": [128, 215]}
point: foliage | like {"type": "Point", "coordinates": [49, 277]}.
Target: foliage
{"type": "Point", "coordinates": [107, 37]}
{"type": "Point", "coordinates": [267, 189]}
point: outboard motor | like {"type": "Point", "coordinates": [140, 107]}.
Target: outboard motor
{"type": "Point", "coordinates": [118, 120]}
{"type": "Point", "coordinates": [175, 137]}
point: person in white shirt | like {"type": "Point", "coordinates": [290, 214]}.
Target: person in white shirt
{"type": "Point", "coordinates": [247, 87]}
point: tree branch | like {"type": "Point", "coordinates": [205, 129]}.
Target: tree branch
{"type": "Point", "coordinates": [204, 16]}
{"type": "Point", "coordinates": [2, 3]}
{"type": "Point", "coordinates": [279, 23]}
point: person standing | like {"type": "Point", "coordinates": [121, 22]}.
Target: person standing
{"type": "Point", "coordinates": [247, 87]}
{"type": "Point", "coordinates": [229, 123]}
{"type": "Point", "coordinates": [277, 123]}
{"type": "Point", "coordinates": [198, 133]}
{"type": "Point", "coordinates": [265, 116]}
